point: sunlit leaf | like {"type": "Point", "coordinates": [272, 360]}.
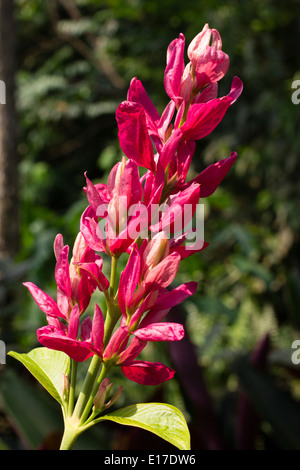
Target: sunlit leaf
{"type": "Point", "coordinates": [161, 419]}
{"type": "Point", "coordinates": [48, 367]}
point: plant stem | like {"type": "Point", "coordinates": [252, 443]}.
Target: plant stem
{"type": "Point", "coordinates": [89, 404]}
{"type": "Point", "coordinates": [74, 423]}
{"type": "Point", "coordinates": [87, 388]}
{"type": "Point", "coordinates": [69, 437]}
{"type": "Point", "coordinates": [114, 262]}
{"type": "Point", "coordinates": [74, 365]}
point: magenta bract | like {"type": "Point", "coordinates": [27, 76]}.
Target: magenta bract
{"type": "Point", "coordinates": [144, 214]}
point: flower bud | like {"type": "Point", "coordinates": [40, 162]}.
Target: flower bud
{"type": "Point", "coordinates": [65, 387]}
{"type": "Point", "coordinates": [78, 252]}
{"type": "Point", "coordinates": [156, 250]}
{"type": "Point", "coordinates": [100, 396]}
{"type": "Point", "coordinates": [114, 398]}
{"type": "Point", "coordinates": [114, 178]}
{"type": "Point", "coordinates": [208, 62]}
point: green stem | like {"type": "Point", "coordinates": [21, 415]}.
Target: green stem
{"type": "Point", "coordinates": [89, 404]}
{"type": "Point", "coordinates": [114, 262]}
{"type": "Point", "coordinates": [110, 323]}
{"type": "Point", "coordinates": [69, 437]}
{"type": "Point", "coordinates": [74, 424]}
{"type": "Point", "coordinates": [87, 388]}
{"type": "Point", "coordinates": [74, 366]}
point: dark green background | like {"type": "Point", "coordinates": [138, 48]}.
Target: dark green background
{"type": "Point", "coordinates": [74, 68]}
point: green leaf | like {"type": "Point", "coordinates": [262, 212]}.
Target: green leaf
{"type": "Point", "coordinates": [165, 421]}
{"type": "Point", "coordinates": [48, 367]}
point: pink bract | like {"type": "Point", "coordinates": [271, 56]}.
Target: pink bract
{"type": "Point", "coordinates": [149, 190]}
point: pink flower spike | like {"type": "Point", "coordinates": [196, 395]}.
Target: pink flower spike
{"type": "Point", "coordinates": [154, 185]}
{"type": "Point", "coordinates": [210, 92]}
{"type": "Point", "coordinates": [174, 69]}
{"type": "Point", "coordinates": [208, 62]}
{"type": "Point", "coordinates": [189, 249]}
{"type": "Point", "coordinates": [74, 323]}
{"type": "Point", "coordinates": [210, 178]}
{"type": "Point", "coordinates": [154, 316]}
{"type": "Point", "coordinates": [98, 329]}
{"type": "Point", "coordinates": [84, 291]}
{"type": "Point", "coordinates": [160, 332]}
{"type": "Point", "coordinates": [236, 89]}
{"type": "Point", "coordinates": [170, 148]}
{"type": "Point", "coordinates": [129, 185]}
{"type": "Point", "coordinates": [86, 330]}
{"type": "Point", "coordinates": [147, 373]}
{"type": "Point", "coordinates": [203, 118]}
{"type": "Point", "coordinates": [91, 231]}
{"type": "Point", "coordinates": [62, 273]}
{"type": "Point", "coordinates": [44, 301]}
{"type": "Point", "coordinates": [117, 342]}
{"type": "Point", "coordinates": [185, 152]}
{"type": "Point", "coordinates": [166, 119]}
{"type": "Point", "coordinates": [114, 176]}
{"type": "Point", "coordinates": [155, 251]}
{"type": "Point", "coordinates": [180, 212]}
{"type": "Point", "coordinates": [132, 351]}
{"type": "Point", "coordinates": [81, 252]}
{"type": "Point", "coordinates": [164, 273]}
{"type": "Point", "coordinates": [133, 134]}
{"type": "Point", "coordinates": [58, 245]}
{"type": "Point", "coordinates": [53, 338]}
{"type": "Point", "coordinates": [54, 321]}
{"type": "Point", "coordinates": [175, 296]}
{"type": "Point", "coordinates": [128, 280]}
{"type": "Point", "coordinates": [138, 94]}
{"type": "Point", "coordinates": [199, 43]}
{"type": "Point", "coordinates": [95, 197]}
{"type": "Point", "coordinates": [94, 272]}
{"type": "Point", "coordinates": [147, 303]}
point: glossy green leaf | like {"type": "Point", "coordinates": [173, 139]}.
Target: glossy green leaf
{"type": "Point", "coordinates": [48, 367]}
{"type": "Point", "coordinates": [164, 420]}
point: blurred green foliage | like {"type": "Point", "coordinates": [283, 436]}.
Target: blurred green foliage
{"type": "Point", "coordinates": [75, 62]}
